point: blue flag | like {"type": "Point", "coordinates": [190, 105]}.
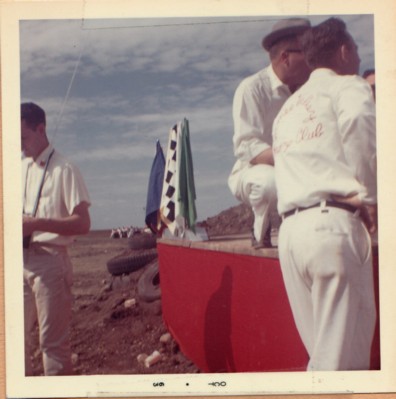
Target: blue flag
{"type": "Point", "coordinates": [154, 191]}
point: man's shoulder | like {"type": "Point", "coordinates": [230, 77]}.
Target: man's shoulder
{"type": "Point", "coordinates": [354, 80]}
{"type": "Point", "coordinates": [352, 84]}
{"type": "Point", "coordinates": [257, 81]}
{"type": "Point", "coordinates": [344, 80]}
{"type": "Point", "coordinates": [59, 158]}
{"type": "Point", "coordinates": [62, 162]}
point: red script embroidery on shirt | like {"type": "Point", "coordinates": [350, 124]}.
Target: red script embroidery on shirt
{"type": "Point", "coordinates": [306, 132]}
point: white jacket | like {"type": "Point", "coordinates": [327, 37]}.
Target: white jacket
{"type": "Point", "coordinates": [257, 101]}
{"type": "Point", "coordinates": [324, 142]}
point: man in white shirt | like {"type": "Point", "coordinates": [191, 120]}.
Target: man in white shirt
{"type": "Point", "coordinates": [325, 171]}
{"type": "Point", "coordinates": [257, 101]}
{"type": "Point", "coordinates": [55, 209]}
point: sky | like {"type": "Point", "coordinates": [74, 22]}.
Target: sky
{"type": "Point", "coordinates": [112, 87]}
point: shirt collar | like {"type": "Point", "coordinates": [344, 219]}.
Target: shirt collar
{"type": "Point", "coordinates": [319, 72]}
{"type": "Point", "coordinates": [276, 83]}
{"type": "Point", "coordinates": [42, 158]}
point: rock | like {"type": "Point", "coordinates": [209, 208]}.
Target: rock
{"type": "Point", "coordinates": [165, 338]}
{"type": "Point", "coordinates": [107, 287]}
{"type": "Point", "coordinates": [129, 303]}
{"type": "Point", "coordinates": [74, 359]}
{"type": "Point", "coordinates": [141, 357]}
{"type": "Point", "coordinates": [154, 358]}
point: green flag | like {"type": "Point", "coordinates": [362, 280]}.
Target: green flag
{"type": "Point", "coordinates": [186, 192]}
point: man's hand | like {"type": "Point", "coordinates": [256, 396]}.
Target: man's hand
{"type": "Point", "coordinates": [353, 200]}
{"type": "Point", "coordinates": [29, 225]}
{"type": "Point", "coordinates": [77, 223]}
{"type": "Point", "coordinates": [266, 158]}
{"type": "Point", "coordinates": [368, 213]}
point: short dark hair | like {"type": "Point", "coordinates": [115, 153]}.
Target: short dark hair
{"type": "Point", "coordinates": [32, 114]}
{"type": "Point", "coordinates": [368, 72]}
{"type": "Point", "coordinates": [321, 42]}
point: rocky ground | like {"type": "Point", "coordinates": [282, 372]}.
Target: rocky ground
{"type": "Point", "coordinates": [107, 336]}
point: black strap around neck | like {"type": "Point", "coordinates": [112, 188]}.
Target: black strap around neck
{"type": "Point", "coordinates": [36, 204]}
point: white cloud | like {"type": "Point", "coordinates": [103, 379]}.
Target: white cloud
{"type": "Point", "coordinates": [133, 84]}
{"type": "Point", "coordinates": [114, 50]}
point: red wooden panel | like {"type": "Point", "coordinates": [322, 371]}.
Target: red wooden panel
{"type": "Point", "coordinates": [230, 312]}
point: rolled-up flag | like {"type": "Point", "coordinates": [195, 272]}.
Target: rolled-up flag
{"type": "Point", "coordinates": [186, 189]}
{"type": "Point", "coordinates": [155, 190]}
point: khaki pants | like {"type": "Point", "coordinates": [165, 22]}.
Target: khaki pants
{"type": "Point", "coordinates": [326, 261]}
{"type": "Point", "coordinates": [48, 299]}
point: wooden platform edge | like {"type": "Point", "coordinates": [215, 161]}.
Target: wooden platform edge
{"type": "Point", "coordinates": [236, 244]}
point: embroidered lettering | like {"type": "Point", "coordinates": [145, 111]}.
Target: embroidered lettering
{"type": "Point", "coordinates": [305, 134]}
{"type": "Point", "coordinates": [306, 102]}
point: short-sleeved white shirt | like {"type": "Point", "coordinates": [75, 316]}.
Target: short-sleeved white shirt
{"type": "Point", "coordinates": [257, 101]}
{"type": "Point", "coordinates": [63, 190]}
{"type": "Point", "coordinates": [324, 142]}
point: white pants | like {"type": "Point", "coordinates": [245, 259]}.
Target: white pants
{"type": "Point", "coordinates": [48, 299]}
{"type": "Point", "coordinates": [257, 188]}
{"type": "Point", "coordinates": [326, 262]}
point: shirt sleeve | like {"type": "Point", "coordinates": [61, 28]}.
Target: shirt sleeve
{"type": "Point", "coordinates": [74, 189]}
{"type": "Point", "coordinates": [355, 110]}
{"type": "Point", "coordinates": [248, 114]}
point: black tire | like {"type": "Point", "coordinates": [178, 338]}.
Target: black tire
{"type": "Point", "coordinates": [125, 264]}
{"type": "Point", "coordinates": [148, 286]}
{"type": "Point", "coordinates": [142, 241]}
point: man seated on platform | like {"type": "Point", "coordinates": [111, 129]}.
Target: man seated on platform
{"type": "Point", "coordinates": [257, 101]}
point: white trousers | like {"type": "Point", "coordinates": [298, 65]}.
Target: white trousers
{"type": "Point", "coordinates": [326, 262]}
{"type": "Point", "coordinates": [48, 299]}
{"type": "Point", "coordinates": [257, 189]}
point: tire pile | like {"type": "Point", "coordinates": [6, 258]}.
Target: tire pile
{"type": "Point", "coordinates": [142, 253]}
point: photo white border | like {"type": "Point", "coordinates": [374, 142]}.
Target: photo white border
{"type": "Point", "coordinates": [17, 385]}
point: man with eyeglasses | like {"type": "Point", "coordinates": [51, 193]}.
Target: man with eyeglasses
{"type": "Point", "coordinates": [257, 101]}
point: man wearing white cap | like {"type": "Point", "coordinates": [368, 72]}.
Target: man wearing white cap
{"type": "Point", "coordinates": [257, 101]}
{"type": "Point", "coordinates": [325, 171]}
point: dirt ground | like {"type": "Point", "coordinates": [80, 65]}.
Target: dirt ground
{"type": "Point", "coordinates": [106, 336]}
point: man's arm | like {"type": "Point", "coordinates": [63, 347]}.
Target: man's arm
{"type": "Point", "coordinates": [265, 157]}
{"type": "Point", "coordinates": [356, 120]}
{"type": "Point", "coordinates": [249, 114]}
{"type": "Point", "coordinates": [368, 213]}
{"type": "Point", "coordinates": [77, 223]}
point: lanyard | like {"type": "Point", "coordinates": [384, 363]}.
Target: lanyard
{"type": "Point", "coordinates": [40, 187]}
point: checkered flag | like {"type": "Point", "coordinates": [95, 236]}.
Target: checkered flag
{"type": "Point", "coordinates": [168, 206]}
{"type": "Point", "coordinates": [177, 210]}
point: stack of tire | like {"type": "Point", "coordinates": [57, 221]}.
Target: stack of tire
{"type": "Point", "coordinates": [143, 254]}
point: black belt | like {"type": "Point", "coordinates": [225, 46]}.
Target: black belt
{"type": "Point", "coordinates": [331, 204]}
